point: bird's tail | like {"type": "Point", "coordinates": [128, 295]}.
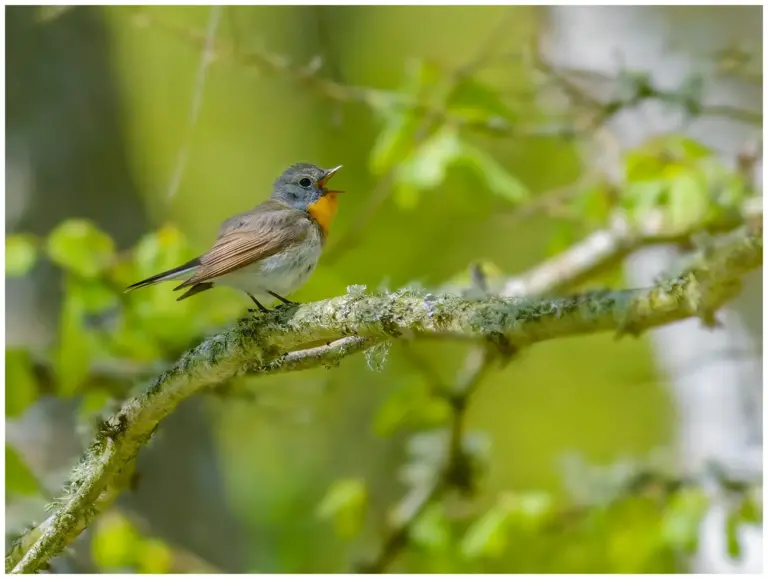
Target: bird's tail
{"type": "Point", "coordinates": [171, 274]}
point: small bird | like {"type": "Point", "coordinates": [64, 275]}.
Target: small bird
{"type": "Point", "coordinates": [270, 251]}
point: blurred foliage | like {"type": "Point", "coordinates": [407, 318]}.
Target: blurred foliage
{"type": "Point", "coordinates": [323, 493]}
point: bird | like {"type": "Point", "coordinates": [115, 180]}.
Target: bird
{"type": "Point", "coordinates": [270, 251]}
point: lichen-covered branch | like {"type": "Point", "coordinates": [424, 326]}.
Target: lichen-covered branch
{"type": "Point", "coordinates": [711, 279]}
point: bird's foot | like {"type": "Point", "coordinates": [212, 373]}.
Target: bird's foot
{"type": "Point", "coordinates": [286, 301]}
{"type": "Point", "coordinates": [261, 308]}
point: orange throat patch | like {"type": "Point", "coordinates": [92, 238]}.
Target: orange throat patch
{"type": "Point", "coordinates": [323, 210]}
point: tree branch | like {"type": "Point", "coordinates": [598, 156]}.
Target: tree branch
{"type": "Point", "coordinates": [606, 247]}
{"type": "Point", "coordinates": [456, 472]}
{"type": "Point", "coordinates": [711, 279]}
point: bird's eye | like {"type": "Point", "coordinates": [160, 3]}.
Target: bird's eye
{"type": "Point", "coordinates": [306, 183]}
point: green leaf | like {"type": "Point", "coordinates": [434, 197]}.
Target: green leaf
{"type": "Point", "coordinates": [431, 529]}
{"type": "Point", "coordinates": [498, 180]}
{"type": "Point", "coordinates": [682, 518]}
{"type": "Point", "coordinates": [94, 295]}
{"type": "Point", "coordinates": [79, 246]}
{"type": "Point", "coordinates": [474, 100]}
{"type": "Point", "coordinates": [487, 536]}
{"type": "Point", "coordinates": [663, 156]}
{"type": "Point", "coordinates": [394, 142]}
{"type": "Point", "coordinates": [161, 250]}
{"type": "Point", "coordinates": [683, 149]}
{"type": "Point", "coordinates": [750, 512]}
{"type": "Point", "coordinates": [19, 479]}
{"type": "Point", "coordinates": [688, 202]}
{"type": "Point", "coordinates": [345, 504]}
{"type": "Point", "coordinates": [728, 188]}
{"type": "Point", "coordinates": [427, 167]}
{"type": "Point", "coordinates": [93, 403]}
{"type": "Point", "coordinates": [20, 254]}
{"type": "Point", "coordinates": [72, 357]}
{"type": "Point", "coordinates": [641, 166]}
{"type": "Point", "coordinates": [642, 197]}
{"type": "Point", "coordinates": [594, 204]}
{"type": "Point", "coordinates": [155, 557]}
{"type": "Point", "coordinates": [114, 543]}
{"type": "Point", "coordinates": [406, 196]}
{"type": "Point", "coordinates": [420, 77]}
{"type": "Point", "coordinates": [529, 507]}
{"type": "Point", "coordinates": [21, 390]}
{"type": "Point", "coordinates": [732, 523]}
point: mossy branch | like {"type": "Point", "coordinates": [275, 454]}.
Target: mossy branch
{"type": "Point", "coordinates": [357, 320]}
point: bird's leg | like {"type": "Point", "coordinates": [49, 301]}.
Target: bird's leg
{"type": "Point", "coordinates": [262, 309]}
{"type": "Point", "coordinates": [281, 298]}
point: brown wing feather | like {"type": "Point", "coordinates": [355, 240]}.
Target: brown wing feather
{"type": "Point", "coordinates": [245, 239]}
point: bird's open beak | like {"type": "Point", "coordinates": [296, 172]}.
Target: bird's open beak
{"type": "Point", "coordinates": [327, 177]}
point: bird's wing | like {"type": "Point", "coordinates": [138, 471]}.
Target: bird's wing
{"type": "Point", "coordinates": [246, 239]}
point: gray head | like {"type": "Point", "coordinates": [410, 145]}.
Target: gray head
{"type": "Point", "coordinates": [302, 184]}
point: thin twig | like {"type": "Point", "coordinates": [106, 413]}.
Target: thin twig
{"type": "Point", "coordinates": [206, 58]}
{"type": "Point", "coordinates": [456, 473]}
{"type": "Point", "coordinates": [603, 248]}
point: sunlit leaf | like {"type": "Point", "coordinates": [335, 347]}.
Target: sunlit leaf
{"type": "Point", "coordinates": [20, 254]}
{"type": "Point", "coordinates": [21, 388]}
{"type": "Point", "coordinates": [420, 77]}
{"type": "Point", "coordinates": [394, 142]}
{"type": "Point", "coordinates": [154, 556]}
{"type": "Point", "coordinates": [750, 512]}
{"type": "Point", "coordinates": [641, 166]}
{"type": "Point", "coordinates": [406, 196]}
{"type": "Point", "coordinates": [161, 250]}
{"type": "Point", "coordinates": [92, 404]}
{"type": "Point", "coordinates": [19, 479]}
{"type": "Point", "coordinates": [427, 167]}
{"type": "Point", "coordinates": [662, 157]}
{"type": "Point", "coordinates": [640, 198]}
{"type": "Point", "coordinates": [747, 512]}
{"type": "Point", "coordinates": [345, 505]}
{"type": "Point", "coordinates": [498, 180]}
{"type": "Point", "coordinates": [682, 518]}
{"type": "Point", "coordinates": [431, 529]}
{"type": "Point", "coordinates": [487, 536]}
{"type": "Point", "coordinates": [528, 507]}
{"type": "Point", "coordinates": [474, 100]}
{"type": "Point", "coordinates": [72, 355]}
{"type": "Point", "coordinates": [682, 148]}
{"type": "Point", "coordinates": [733, 543]}
{"type": "Point", "coordinates": [728, 188]}
{"type": "Point", "coordinates": [80, 246]}
{"type": "Point", "coordinates": [94, 295]}
{"type": "Point", "coordinates": [688, 202]}
{"type": "Point", "coordinates": [114, 543]}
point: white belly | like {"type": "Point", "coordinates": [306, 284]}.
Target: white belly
{"type": "Point", "coordinates": [283, 273]}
